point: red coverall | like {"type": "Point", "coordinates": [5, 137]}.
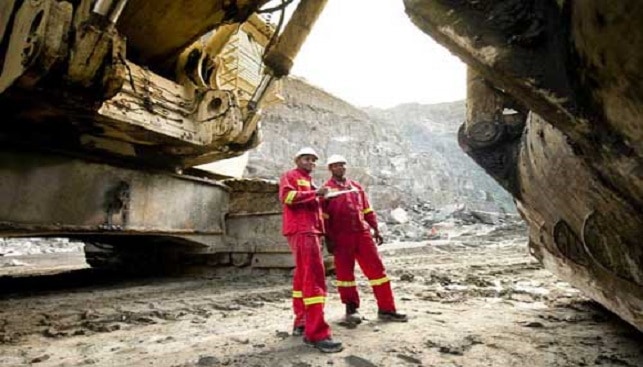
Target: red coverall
{"type": "Point", "coordinates": [303, 226]}
{"type": "Point", "coordinates": [347, 218]}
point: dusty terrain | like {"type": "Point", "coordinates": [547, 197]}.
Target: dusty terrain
{"type": "Point", "coordinates": [477, 299]}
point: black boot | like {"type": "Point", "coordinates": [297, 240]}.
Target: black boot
{"type": "Point", "coordinates": [327, 345]}
{"type": "Point", "coordinates": [298, 331]}
{"type": "Point", "coordinates": [352, 316]}
{"type": "Point", "coordinates": [391, 316]}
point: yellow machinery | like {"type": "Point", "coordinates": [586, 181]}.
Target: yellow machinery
{"type": "Point", "coordinates": [108, 104]}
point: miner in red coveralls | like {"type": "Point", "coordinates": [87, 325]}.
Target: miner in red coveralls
{"type": "Point", "coordinates": [348, 219]}
{"type": "Point", "coordinates": [303, 227]}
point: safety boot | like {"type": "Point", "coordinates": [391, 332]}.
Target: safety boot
{"type": "Point", "coordinates": [327, 345]}
{"type": "Point", "coordinates": [298, 330]}
{"type": "Point", "coordinates": [391, 316]}
{"type": "Point", "coordinates": [352, 316]}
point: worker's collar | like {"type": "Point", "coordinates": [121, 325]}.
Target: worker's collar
{"type": "Point", "coordinates": [343, 182]}
{"type": "Point", "coordinates": [303, 171]}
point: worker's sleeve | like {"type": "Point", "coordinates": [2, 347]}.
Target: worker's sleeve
{"type": "Point", "coordinates": [289, 195]}
{"type": "Point", "coordinates": [369, 213]}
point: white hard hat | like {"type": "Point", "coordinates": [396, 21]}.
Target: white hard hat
{"type": "Point", "coordinates": [306, 151]}
{"type": "Point", "coordinates": [335, 158]}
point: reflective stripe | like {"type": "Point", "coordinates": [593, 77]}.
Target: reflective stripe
{"type": "Point", "coordinates": [325, 216]}
{"type": "Point", "coordinates": [314, 300]}
{"type": "Point", "coordinates": [297, 294]}
{"type": "Point", "coordinates": [367, 210]}
{"type": "Point", "coordinates": [345, 283]}
{"type": "Point", "coordinates": [303, 183]}
{"type": "Point", "coordinates": [379, 281]}
{"type": "Point", "coordinates": [290, 197]}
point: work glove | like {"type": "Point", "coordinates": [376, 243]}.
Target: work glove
{"type": "Point", "coordinates": [321, 191]}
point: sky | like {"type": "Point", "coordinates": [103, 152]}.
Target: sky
{"type": "Point", "coordinates": [369, 53]}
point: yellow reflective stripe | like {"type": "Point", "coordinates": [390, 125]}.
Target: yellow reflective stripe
{"type": "Point", "coordinates": [367, 210]}
{"type": "Point", "coordinates": [303, 183]}
{"type": "Point", "coordinates": [297, 294]}
{"type": "Point", "coordinates": [379, 281]}
{"type": "Point", "coordinates": [314, 300]}
{"type": "Point", "coordinates": [325, 216]}
{"type": "Point", "coordinates": [344, 283]}
{"type": "Point", "coordinates": [290, 197]}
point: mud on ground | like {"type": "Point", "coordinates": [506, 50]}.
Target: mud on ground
{"type": "Point", "coordinates": [474, 300]}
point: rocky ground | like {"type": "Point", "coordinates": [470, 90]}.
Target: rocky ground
{"type": "Point", "coordinates": [33, 246]}
{"type": "Point", "coordinates": [474, 297]}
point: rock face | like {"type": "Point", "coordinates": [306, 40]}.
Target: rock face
{"type": "Point", "coordinates": [438, 170]}
{"type": "Point", "coordinates": [312, 117]}
{"type": "Point", "coordinates": [405, 156]}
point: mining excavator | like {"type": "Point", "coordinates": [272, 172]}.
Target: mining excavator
{"type": "Point", "coordinates": [555, 115]}
{"type": "Point", "coordinates": [108, 107]}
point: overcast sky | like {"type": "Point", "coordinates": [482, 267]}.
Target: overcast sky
{"type": "Point", "coordinates": [368, 53]}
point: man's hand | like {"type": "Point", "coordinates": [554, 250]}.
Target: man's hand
{"type": "Point", "coordinates": [322, 191]}
{"type": "Point", "coordinates": [330, 246]}
{"type": "Point", "coordinates": [379, 240]}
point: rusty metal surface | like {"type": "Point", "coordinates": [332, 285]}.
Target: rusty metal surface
{"type": "Point", "coordinates": [256, 234]}
{"type": "Point", "coordinates": [618, 295]}
{"type": "Point", "coordinates": [253, 197]}
{"type": "Point", "coordinates": [280, 58]}
{"type": "Point", "coordinates": [67, 80]}
{"type": "Point", "coordinates": [253, 223]}
{"type": "Point", "coordinates": [47, 194]}
{"type": "Point", "coordinates": [161, 29]}
{"type": "Point", "coordinates": [573, 69]}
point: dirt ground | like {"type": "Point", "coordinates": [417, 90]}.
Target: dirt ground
{"type": "Point", "coordinates": [474, 300]}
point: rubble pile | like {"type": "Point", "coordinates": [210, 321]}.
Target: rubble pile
{"type": "Point", "coordinates": [34, 246]}
{"type": "Point", "coordinates": [421, 222]}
